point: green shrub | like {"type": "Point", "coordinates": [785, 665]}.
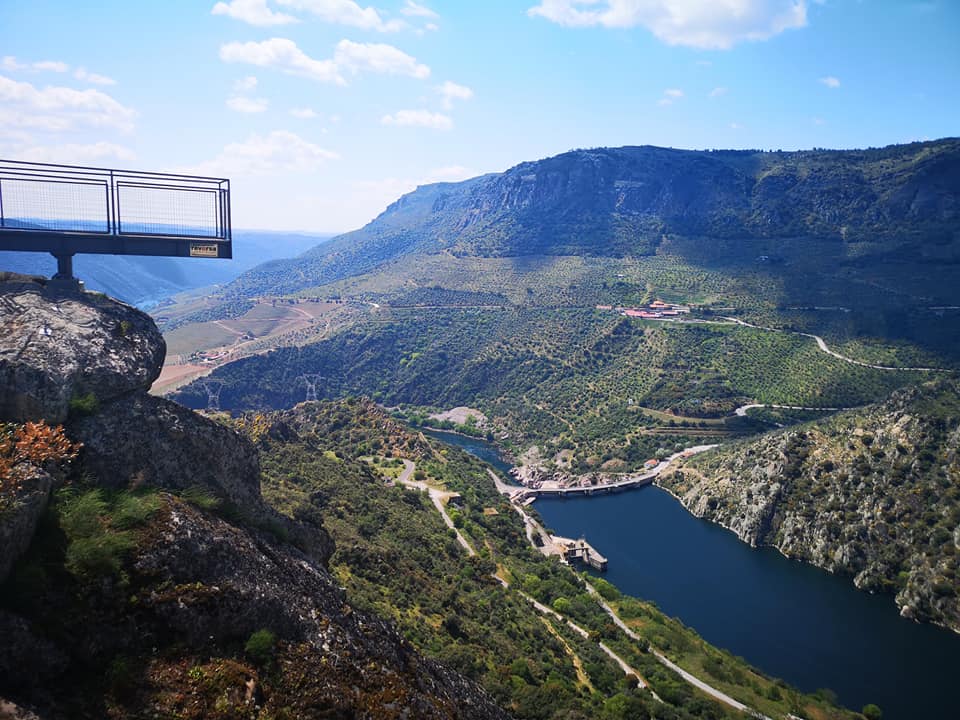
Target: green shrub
{"type": "Point", "coordinates": [260, 646]}
{"type": "Point", "coordinates": [99, 555]}
{"type": "Point", "coordinates": [132, 510]}
{"type": "Point", "coordinates": [201, 497]}
{"type": "Point", "coordinates": [81, 405]}
{"type": "Point", "coordinates": [97, 528]}
{"type": "Point", "coordinates": [872, 712]}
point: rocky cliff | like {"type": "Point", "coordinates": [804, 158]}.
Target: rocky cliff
{"type": "Point", "coordinates": [873, 493]}
{"type": "Point", "coordinates": [157, 582]}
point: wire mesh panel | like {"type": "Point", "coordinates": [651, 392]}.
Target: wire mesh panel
{"type": "Point", "coordinates": [68, 209]}
{"type": "Point", "coordinates": [146, 209]}
{"type": "Point", "coordinates": [49, 204]}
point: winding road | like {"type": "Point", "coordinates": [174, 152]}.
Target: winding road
{"type": "Point", "coordinates": [822, 345]}
{"type": "Point", "coordinates": [509, 491]}
{"type": "Point", "coordinates": [532, 527]}
{"type": "Point", "coordinates": [437, 496]}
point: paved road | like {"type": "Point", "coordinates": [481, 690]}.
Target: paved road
{"type": "Point", "coordinates": [833, 353]}
{"type": "Point", "coordinates": [437, 496]}
{"type": "Point", "coordinates": [742, 410]}
{"type": "Point", "coordinates": [629, 481]}
{"type": "Point", "coordinates": [692, 679]}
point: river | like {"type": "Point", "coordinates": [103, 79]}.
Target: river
{"type": "Point", "coordinates": [790, 619]}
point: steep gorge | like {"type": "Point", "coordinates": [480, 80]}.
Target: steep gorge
{"type": "Point", "coordinates": [873, 493]}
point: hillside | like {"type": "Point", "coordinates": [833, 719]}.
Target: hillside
{"type": "Point", "coordinates": [872, 493]}
{"type": "Point", "coordinates": [345, 462]}
{"type": "Point", "coordinates": [142, 574]}
{"type": "Point", "coordinates": [897, 204]}
{"type": "Point", "coordinates": [859, 247]}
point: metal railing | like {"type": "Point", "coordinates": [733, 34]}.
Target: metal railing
{"type": "Point", "coordinates": [77, 201]}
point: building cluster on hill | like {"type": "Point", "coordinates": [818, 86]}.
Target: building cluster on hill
{"type": "Point", "coordinates": [656, 309]}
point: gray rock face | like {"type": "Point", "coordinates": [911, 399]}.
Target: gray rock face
{"type": "Point", "coordinates": [57, 347]}
{"type": "Point", "coordinates": [139, 439]}
{"type": "Point", "coordinates": [144, 440]}
{"type": "Point", "coordinates": [19, 515]}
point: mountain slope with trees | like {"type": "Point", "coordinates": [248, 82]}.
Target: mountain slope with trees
{"type": "Point", "coordinates": [873, 493]}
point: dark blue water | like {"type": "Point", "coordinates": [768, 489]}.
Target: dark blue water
{"type": "Point", "coordinates": [479, 448]}
{"type": "Point", "coordinates": [793, 621]}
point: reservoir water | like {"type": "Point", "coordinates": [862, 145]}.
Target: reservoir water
{"type": "Point", "coordinates": [793, 621]}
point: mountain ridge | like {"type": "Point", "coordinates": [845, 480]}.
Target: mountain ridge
{"type": "Point", "coordinates": [624, 201]}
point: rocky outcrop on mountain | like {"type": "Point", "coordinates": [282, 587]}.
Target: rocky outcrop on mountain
{"type": "Point", "coordinates": [61, 348]}
{"type": "Point", "coordinates": [132, 602]}
{"type": "Point", "coordinates": [873, 493]}
{"type": "Point", "coordinates": [195, 587]}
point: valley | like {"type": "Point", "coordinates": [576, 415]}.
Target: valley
{"type": "Point", "coordinates": [595, 339]}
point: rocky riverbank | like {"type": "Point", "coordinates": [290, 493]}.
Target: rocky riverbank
{"type": "Point", "coordinates": [873, 493]}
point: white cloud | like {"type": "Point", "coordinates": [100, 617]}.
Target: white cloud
{"type": "Point", "coordinates": [717, 92]}
{"type": "Point", "coordinates": [830, 81]}
{"type": "Point", "coordinates": [11, 64]}
{"type": "Point", "coordinates": [819, 121]}
{"type": "Point", "coordinates": [432, 27]}
{"type": "Point", "coordinates": [412, 9]}
{"type": "Point", "coordinates": [304, 113]}
{"type": "Point", "coordinates": [712, 24]}
{"type": "Point", "coordinates": [451, 91]}
{"type": "Point", "coordinates": [60, 108]}
{"type": "Point", "coordinates": [379, 58]}
{"type": "Point", "coordinates": [74, 153]}
{"type": "Point", "coordinates": [245, 84]}
{"type": "Point", "coordinates": [349, 56]}
{"type": "Point", "coordinates": [346, 12]}
{"type": "Point", "coordinates": [280, 151]}
{"type": "Point", "coordinates": [669, 96]}
{"type": "Point", "coordinates": [254, 12]}
{"type": "Point", "coordinates": [283, 54]}
{"type": "Point", "coordinates": [243, 104]}
{"type": "Point", "coordinates": [418, 118]}
{"type": "Point", "coordinates": [51, 66]}
{"type": "Point", "coordinates": [736, 126]}
{"type": "Point", "coordinates": [84, 76]}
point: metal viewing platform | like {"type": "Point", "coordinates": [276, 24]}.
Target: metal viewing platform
{"type": "Point", "coordinates": [67, 209]}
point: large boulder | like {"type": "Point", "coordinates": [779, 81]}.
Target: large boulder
{"type": "Point", "coordinates": [139, 439]}
{"type": "Point", "coordinates": [58, 347]}
{"type": "Point", "coordinates": [20, 510]}
{"type": "Point", "coordinates": [145, 440]}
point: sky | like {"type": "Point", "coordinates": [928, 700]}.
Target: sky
{"type": "Point", "coordinates": [322, 112]}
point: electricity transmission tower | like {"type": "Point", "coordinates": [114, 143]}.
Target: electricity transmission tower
{"type": "Point", "coordinates": [311, 380]}
{"type": "Point", "coordinates": [213, 388]}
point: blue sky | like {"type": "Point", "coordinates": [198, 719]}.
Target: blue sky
{"type": "Point", "coordinates": [321, 112]}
